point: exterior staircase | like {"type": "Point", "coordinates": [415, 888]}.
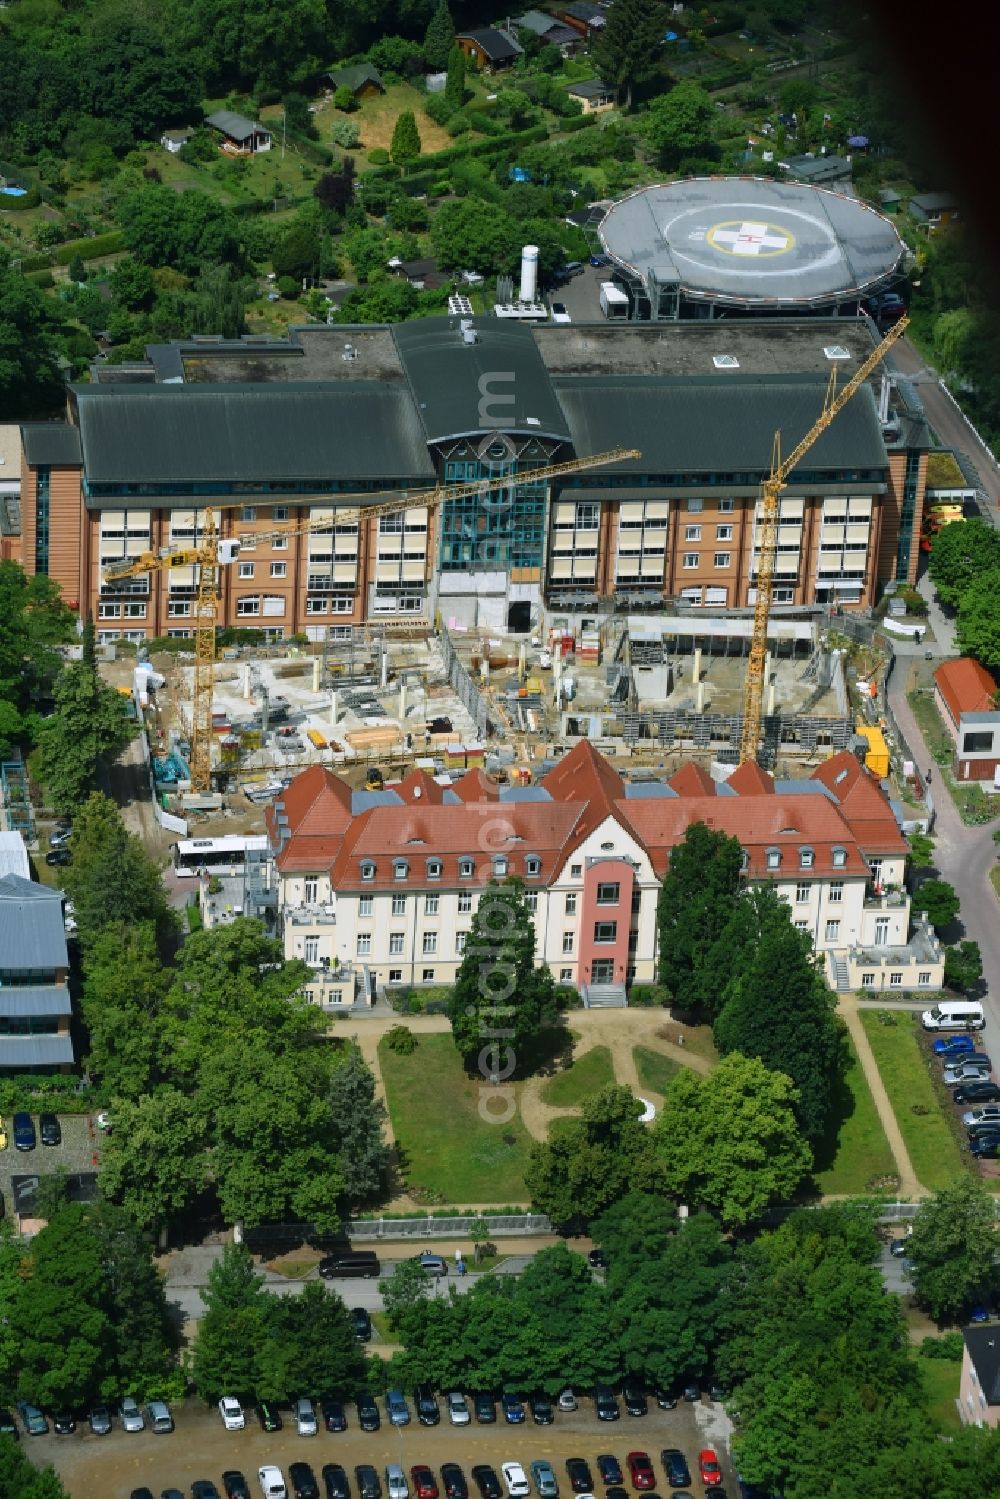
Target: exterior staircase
{"type": "Point", "coordinates": [604, 997]}
{"type": "Point", "coordinates": [841, 979]}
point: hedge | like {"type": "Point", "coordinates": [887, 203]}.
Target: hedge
{"type": "Point", "coordinates": [40, 261]}
{"type": "Point", "coordinates": [493, 145]}
{"type": "Point", "coordinates": [576, 122]}
{"type": "Point", "coordinates": [31, 199]}
{"type": "Point", "coordinates": [43, 278]}
{"type": "Point", "coordinates": [90, 249]}
{"type": "Point", "coordinates": [311, 150]}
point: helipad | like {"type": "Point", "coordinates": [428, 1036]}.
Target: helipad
{"type": "Point", "coordinates": [749, 243]}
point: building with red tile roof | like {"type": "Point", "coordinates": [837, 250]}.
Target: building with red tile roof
{"type": "Point", "coordinates": [966, 693]}
{"type": "Point", "coordinates": [383, 885]}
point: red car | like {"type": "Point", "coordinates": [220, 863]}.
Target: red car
{"type": "Point", "coordinates": [641, 1471]}
{"type": "Point", "coordinates": [425, 1484]}
{"type": "Point", "coordinates": [710, 1468]}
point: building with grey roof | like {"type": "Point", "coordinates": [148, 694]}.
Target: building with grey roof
{"type": "Point", "coordinates": [14, 856]}
{"type": "Point", "coordinates": [35, 1007]}
{"type": "Point", "coordinates": [240, 136]}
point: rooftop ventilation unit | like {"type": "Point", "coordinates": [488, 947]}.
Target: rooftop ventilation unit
{"type": "Point", "coordinates": [350, 352]}
{"type": "Point", "coordinates": [459, 306]}
{"type": "Point", "coordinates": [725, 361]}
{"type": "Point", "coordinates": [836, 351]}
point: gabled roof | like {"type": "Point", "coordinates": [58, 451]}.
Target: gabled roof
{"type": "Point", "coordinates": [418, 786]}
{"type": "Point", "coordinates": [966, 686]}
{"type": "Point", "coordinates": [477, 786]}
{"type": "Point", "coordinates": [584, 775]}
{"type": "Point", "coordinates": [933, 202]}
{"type": "Point", "coordinates": [238, 127]}
{"type": "Point", "coordinates": [863, 803]}
{"type": "Point", "coordinates": [983, 1343]}
{"type": "Point", "coordinates": [14, 856]}
{"type": "Point", "coordinates": [32, 935]}
{"type": "Point", "coordinates": [750, 780]}
{"type": "Point", "coordinates": [692, 780]}
{"type": "Point", "coordinates": [356, 77]}
{"type": "Point", "coordinates": [497, 45]}
{"type": "Point", "coordinates": [317, 794]}
{"type": "Point", "coordinates": [54, 443]}
{"type": "Point", "coordinates": [589, 88]}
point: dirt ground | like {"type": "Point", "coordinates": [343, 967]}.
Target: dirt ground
{"type": "Point", "coordinates": [112, 1466]}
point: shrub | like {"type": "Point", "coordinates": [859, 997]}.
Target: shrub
{"type": "Point", "coordinates": [950, 1345]}
{"type": "Point", "coordinates": [287, 286]}
{"type": "Point", "coordinates": [648, 996]}
{"type": "Point", "coordinates": [90, 249]}
{"type": "Point", "coordinates": [346, 133]}
{"type": "Point", "coordinates": [43, 278]}
{"type": "Point", "coordinates": [438, 109]}
{"type": "Point", "coordinates": [344, 99]}
{"type": "Point", "coordinates": [401, 1040]}
{"type": "Point", "coordinates": [379, 156]}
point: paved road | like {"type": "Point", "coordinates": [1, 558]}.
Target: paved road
{"type": "Point", "coordinates": [949, 425]}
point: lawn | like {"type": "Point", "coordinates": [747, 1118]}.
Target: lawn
{"type": "Point", "coordinates": [940, 1379]}
{"type": "Point", "coordinates": [376, 119]}
{"type": "Point", "coordinates": [569, 1089]}
{"type": "Point", "coordinates": [696, 1038]}
{"type": "Point", "coordinates": [919, 1108]}
{"type": "Point", "coordinates": [856, 1152]}
{"type": "Point", "coordinates": [654, 1069]}
{"type": "Point", "coordinates": [446, 1149]}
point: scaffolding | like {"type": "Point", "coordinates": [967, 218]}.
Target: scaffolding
{"type": "Point", "coordinates": [18, 816]}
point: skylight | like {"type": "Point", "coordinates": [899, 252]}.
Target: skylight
{"type": "Point", "coordinates": [836, 351]}
{"type": "Point", "coordinates": [725, 361]}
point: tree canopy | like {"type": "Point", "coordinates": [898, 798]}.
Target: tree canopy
{"type": "Point", "coordinates": [594, 1160]}
{"type": "Point", "coordinates": [629, 47]}
{"type": "Point", "coordinates": [952, 1247]}
{"type": "Point", "coordinates": [697, 900]}
{"type": "Point", "coordinates": [961, 553]}
{"type": "Point", "coordinates": [680, 123]}
{"type": "Point", "coordinates": [30, 383]}
{"type": "Point", "coordinates": [977, 629]}
{"type": "Point", "coordinates": [90, 726]}
{"type": "Point", "coordinates": [113, 883]}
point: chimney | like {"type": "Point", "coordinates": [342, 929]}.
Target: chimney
{"type": "Point", "coordinates": [529, 273]}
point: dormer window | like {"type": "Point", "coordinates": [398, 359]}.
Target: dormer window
{"type": "Point", "coordinates": [839, 858]}
{"type": "Point", "coordinates": [533, 866]}
{"type": "Point", "coordinates": [466, 868]}
{"type": "Point", "coordinates": [807, 858]}
{"type": "Point", "coordinates": [774, 858]}
{"type": "Point", "coordinates": [367, 869]}
{"type": "Point", "coordinates": [744, 861]}
{"type": "Point", "coordinates": [434, 868]}
{"type": "Point", "coordinates": [400, 869]}
{"type": "Point", "coordinates": [500, 865]}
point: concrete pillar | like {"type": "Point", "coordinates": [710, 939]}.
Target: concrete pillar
{"type": "Point", "coordinates": [402, 701]}
{"type": "Point", "coordinates": [522, 661]}
{"type": "Point", "coordinates": [696, 665]}
{"type": "Point", "coordinates": [246, 680]}
{"type": "Point", "coordinates": [333, 706]}
{"type": "Point", "coordinates": [385, 669]}
{"type": "Point", "coordinates": [699, 698]}
{"type": "Point", "coordinates": [772, 697]}
{"type": "Point", "coordinates": [316, 666]}
{"type": "Point", "coordinates": [767, 666]}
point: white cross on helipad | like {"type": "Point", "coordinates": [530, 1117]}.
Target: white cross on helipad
{"type": "Point", "coordinates": [750, 239]}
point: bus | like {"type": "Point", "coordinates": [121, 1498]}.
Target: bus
{"type": "Point", "coordinates": [218, 855]}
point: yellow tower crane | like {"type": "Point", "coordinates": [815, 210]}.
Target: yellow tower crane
{"type": "Point", "coordinates": [213, 552]}
{"type": "Point", "coordinates": [753, 690]}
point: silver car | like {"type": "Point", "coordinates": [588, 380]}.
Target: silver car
{"type": "Point", "coordinates": [131, 1415]}
{"type": "Point", "coordinates": [965, 1072]}
{"type": "Point", "coordinates": [305, 1417]}
{"type": "Point", "coordinates": [458, 1409]}
{"type": "Point", "coordinates": [545, 1480]}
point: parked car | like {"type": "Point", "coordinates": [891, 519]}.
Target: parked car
{"type": "Point", "coordinates": [24, 1131]}
{"type": "Point", "coordinates": [455, 1486]}
{"type": "Point", "coordinates": [35, 1423]}
{"type": "Point", "coordinates": [977, 1093]}
{"type": "Point", "coordinates": [396, 1408]}
{"type": "Point", "coordinates": [541, 1410]}
{"type": "Point", "coordinates": [581, 1480]}
{"type": "Point", "coordinates": [609, 1468]}
{"type": "Point", "coordinates": [559, 313]}
{"type": "Point", "coordinates": [513, 1409]}
{"type": "Point", "coordinates": [675, 1467]}
{"type": "Point", "coordinates": [202, 1488]}
{"type": "Point", "coordinates": [362, 1324]}
{"type": "Point", "coordinates": [131, 1416]}
{"type": "Point", "coordinates": [423, 1481]}
{"type": "Point", "coordinates": [666, 1400]}
{"type": "Point", "coordinates": [396, 1486]}
{"type": "Point", "coordinates": [485, 1407]}
{"type": "Point", "coordinates": [954, 1046]}
{"type": "Point", "coordinates": [710, 1468]}
{"type": "Point", "coordinates": [599, 260]}
{"type": "Point", "coordinates": [49, 1131]}
{"type": "Point", "coordinates": [268, 1416]}
{"type": "Point", "coordinates": [272, 1484]}
{"type": "Point", "coordinates": [4, 1142]}
{"type": "Point", "coordinates": [63, 1423]}
{"type": "Point", "coordinates": [369, 1415]}
{"type": "Point", "coordinates": [641, 1471]}
{"type": "Point", "coordinates": [305, 1417]}
{"type": "Point", "coordinates": [486, 1481]}
{"type": "Point", "coordinates": [99, 1420]}
{"type": "Point", "coordinates": [985, 1114]}
{"type": "Point", "coordinates": [231, 1412]}
{"type": "Point", "coordinates": [605, 1404]}
{"type": "Point", "coordinates": [957, 1073]}
{"type": "Point", "coordinates": [57, 857]}
{"type": "Point", "coordinates": [334, 1414]}
{"type": "Point", "coordinates": [515, 1480]}
{"type": "Point", "coordinates": [428, 1410]}
{"type": "Point", "coordinates": [434, 1264]}
{"type": "Point", "coordinates": [567, 1401]}
{"type": "Point", "coordinates": [234, 1484]}
{"type": "Point", "coordinates": [970, 1059]}
{"type": "Point", "coordinates": [598, 1259]}
{"type": "Point", "coordinates": [335, 1481]}
{"type": "Point", "coordinates": [634, 1397]}
{"type": "Point", "coordinates": [60, 837]}
{"type": "Point", "coordinates": [160, 1419]}
{"type": "Point", "coordinates": [368, 1482]}
{"type": "Point", "coordinates": [544, 1479]}
{"type": "Point", "coordinates": [987, 1149]}
{"type": "Point", "coordinates": [458, 1409]}
{"type": "Point", "coordinates": [899, 1248]}
{"type": "Point", "coordinates": [984, 1130]}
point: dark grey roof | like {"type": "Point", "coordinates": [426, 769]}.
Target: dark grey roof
{"type": "Point", "coordinates": [35, 1051]}
{"type": "Point", "coordinates": [35, 999]}
{"type": "Point", "coordinates": [363, 801]}
{"type": "Point", "coordinates": [983, 1344]}
{"type": "Point", "coordinates": [933, 202]}
{"type": "Point", "coordinates": [53, 443]}
{"type": "Point", "coordinates": [356, 77]}
{"type": "Point", "coordinates": [231, 433]}
{"type": "Point", "coordinates": [648, 791]}
{"type": "Point", "coordinates": [819, 168]}
{"type": "Point", "coordinates": [702, 425]}
{"type": "Point", "coordinates": [32, 935]}
{"type": "Point", "coordinates": [234, 125]}
{"type": "Point", "coordinates": [590, 88]}
{"type": "Point", "coordinates": [584, 10]}
{"type": "Point", "coordinates": [524, 794]}
{"type": "Point", "coordinates": [497, 45]}
{"type": "Point", "coordinates": [455, 383]}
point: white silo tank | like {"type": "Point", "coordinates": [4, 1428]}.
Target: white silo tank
{"type": "Point", "coordinates": [529, 273]}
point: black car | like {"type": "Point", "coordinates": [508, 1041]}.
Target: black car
{"type": "Point", "coordinates": [428, 1411]}
{"type": "Point", "coordinates": [615, 1492]}
{"type": "Point", "coordinates": [367, 1480]}
{"type": "Point", "coordinates": [171, 1494]}
{"type": "Point", "coordinates": [676, 1468]}
{"type": "Point", "coordinates": [486, 1481]}
{"type": "Point", "coordinates": [8, 1426]}
{"type": "Point", "coordinates": [455, 1486]}
{"type": "Point", "coordinates": [303, 1481]}
{"type": "Point", "coordinates": [362, 1324]}
{"type": "Point", "coordinates": [24, 1131]}
{"type": "Point", "coordinates": [335, 1481]}
{"type": "Point", "coordinates": [61, 856]}
{"type": "Point", "coordinates": [144, 1493]}
{"type": "Point", "coordinates": [580, 1478]}
{"type": "Point", "coordinates": [202, 1488]}
{"type": "Point", "coordinates": [540, 1407]}
{"type": "Point", "coordinates": [268, 1415]}
{"type": "Point", "coordinates": [99, 1420]}
{"type": "Point", "coordinates": [235, 1484]}
{"type": "Point", "coordinates": [717, 1390]}
{"type": "Point", "coordinates": [485, 1408]}
{"type": "Point", "coordinates": [665, 1399]}
{"type": "Point", "coordinates": [605, 1404]}
{"type": "Point", "coordinates": [977, 1093]}
{"type": "Point", "coordinates": [334, 1414]}
{"type": "Point", "coordinates": [691, 1393]}
{"type": "Point", "coordinates": [610, 1469]}
{"type": "Point", "coordinates": [49, 1131]}
{"type": "Point", "coordinates": [634, 1397]}
{"type": "Point", "coordinates": [598, 1259]}
{"type": "Point", "coordinates": [369, 1416]}
{"type": "Point", "coordinates": [63, 1424]}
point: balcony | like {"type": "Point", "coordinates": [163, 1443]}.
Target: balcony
{"type": "Point", "coordinates": [312, 915]}
{"type": "Point", "coordinates": [877, 899]}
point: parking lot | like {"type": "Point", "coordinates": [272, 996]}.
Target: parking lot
{"type": "Point", "coordinates": [76, 1156]}
{"type": "Point", "coordinates": [113, 1465]}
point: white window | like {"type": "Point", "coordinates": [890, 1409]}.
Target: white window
{"type": "Point", "coordinates": [434, 868]}
{"type": "Point", "coordinates": [807, 858]}
{"type": "Point", "coordinates": [896, 979]}
{"type": "Point", "coordinates": [802, 893]}
{"type": "Point", "coordinates": [727, 506]}
{"type": "Point", "coordinates": [466, 868]}
{"type": "Point", "coordinates": [532, 866]}
{"type": "Point", "coordinates": [567, 946]}
{"type": "Point", "coordinates": [832, 931]}
{"type": "Point", "coordinates": [364, 944]}
{"type": "Point", "coordinates": [531, 900]}
{"type": "Point", "coordinates": [839, 858]}
{"type": "Point", "coordinates": [279, 569]}
{"type": "Point", "coordinates": [310, 950]}
{"type": "Point", "coordinates": [690, 560]}
{"type": "Point", "coordinates": [692, 533]}
{"type": "Point", "coordinates": [723, 559]}
{"type": "Point", "coordinates": [279, 544]}
{"type": "Point", "coordinates": [868, 980]}
{"type": "Point", "coordinates": [249, 605]}
{"type": "Point", "coordinates": [367, 870]}
{"type": "Point", "coordinates": [279, 512]}
{"type": "Point", "coordinates": [400, 869]}
{"type": "Point", "coordinates": [427, 975]}
{"type": "Point", "coordinates": [366, 905]}
{"type": "Point", "coordinates": [430, 946]}
{"type": "Point", "coordinates": [566, 975]}
{"type": "Point", "coordinates": [395, 975]}
{"type": "Point", "coordinates": [246, 569]}
{"type": "Point", "coordinates": [310, 890]}
{"type": "Point", "coordinates": [836, 892]}
{"type": "Point", "coordinates": [695, 505]}
{"type": "Point", "coordinates": [774, 858]}
{"type": "Point", "coordinates": [923, 979]}
{"type": "Point", "coordinates": [801, 926]}
{"type": "Point", "coordinates": [575, 871]}
{"type": "Point", "coordinates": [399, 905]}
{"type": "Point", "coordinates": [500, 866]}
{"type": "Point", "coordinates": [464, 902]}
{"type": "Point", "coordinates": [179, 609]}
{"type": "Point", "coordinates": [248, 512]}
{"type": "Point", "coordinates": [723, 533]}
{"type": "Point", "coordinates": [396, 944]}
{"type": "Point", "coordinates": [431, 904]}
{"type": "Point", "coordinates": [460, 940]}
{"type": "Point", "coordinates": [571, 904]}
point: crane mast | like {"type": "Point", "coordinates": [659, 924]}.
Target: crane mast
{"type": "Point", "coordinates": [781, 468]}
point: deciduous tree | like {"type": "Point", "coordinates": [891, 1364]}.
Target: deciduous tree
{"type": "Point", "coordinates": [939, 900]}
{"type": "Point", "coordinates": [154, 1162]}
{"type": "Point", "coordinates": [680, 123]}
{"type": "Point", "coordinates": [952, 1247]}
{"type": "Point", "coordinates": [977, 629]}
{"type": "Point", "coordinates": [89, 726]}
{"type": "Point", "coordinates": [697, 899]}
{"type": "Point", "coordinates": [627, 51]}
{"type": "Point", "coordinates": [594, 1160]}
{"type": "Point", "coordinates": [963, 966]}
{"type": "Point", "coordinates": [407, 1286]}
{"type": "Point", "coordinates": [30, 384]}
{"type": "Point", "coordinates": [960, 553]}
{"type": "Point", "coordinates": [225, 1359]}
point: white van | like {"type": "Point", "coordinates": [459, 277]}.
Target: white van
{"type": "Point", "coordinates": [954, 1015]}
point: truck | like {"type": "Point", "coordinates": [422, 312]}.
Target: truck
{"type": "Point", "coordinates": [614, 302]}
